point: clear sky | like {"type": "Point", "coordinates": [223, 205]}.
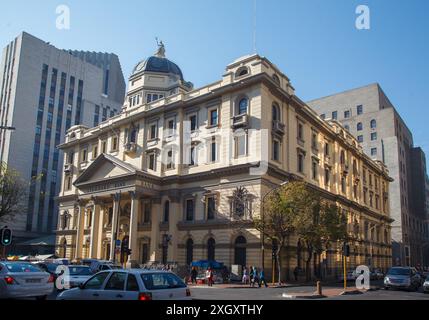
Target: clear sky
{"type": "Point", "coordinates": [314, 42]}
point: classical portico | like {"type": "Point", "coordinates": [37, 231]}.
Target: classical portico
{"type": "Point", "coordinates": [116, 201]}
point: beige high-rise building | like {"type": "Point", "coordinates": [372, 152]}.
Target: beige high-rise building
{"type": "Point", "coordinates": [179, 174]}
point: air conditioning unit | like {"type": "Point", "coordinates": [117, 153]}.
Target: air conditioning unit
{"type": "Point", "coordinates": [278, 127]}
{"type": "Point", "coordinates": [240, 121]}
{"type": "Point", "coordinates": [130, 147]}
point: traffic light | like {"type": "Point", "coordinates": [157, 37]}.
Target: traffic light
{"type": "Point", "coordinates": [6, 236]}
{"type": "Point", "coordinates": [346, 250]}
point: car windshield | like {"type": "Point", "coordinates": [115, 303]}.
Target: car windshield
{"type": "Point", "coordinates": [80, 271]}
{"type": "Point", "coordinates": [21, 267]}
{"type": "Point", "coordinates": [399, 272]}
{"type": "Point", "coordinates": [159, 281]}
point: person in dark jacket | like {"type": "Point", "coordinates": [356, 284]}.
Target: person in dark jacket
{"type": "Point", "coordinates": [194, 274]}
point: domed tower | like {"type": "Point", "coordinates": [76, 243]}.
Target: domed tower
{"type": "Point", "coordinates": [155, 78]}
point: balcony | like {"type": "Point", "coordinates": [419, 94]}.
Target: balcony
{"type": "Point", "coordinates": [278, 127]}
{"type": "Point", "coordinates": [240, 121]}
{"type": "Point", "coordinates": [130, 147]}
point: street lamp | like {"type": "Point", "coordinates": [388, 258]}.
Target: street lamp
{"type": "Point", "coordinates": [263, 221]}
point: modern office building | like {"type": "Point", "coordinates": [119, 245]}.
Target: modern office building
{"type": "Point", "coordinates": [44, 92]}
{"type": "Point", "coordinates": [179, 175]}
{"type": "Point", "coordinates": [368, 114]}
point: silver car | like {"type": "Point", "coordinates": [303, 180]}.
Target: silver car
{"type": "Point", "coordinates": [426, 285]}
{"type": "Point", "coordinates": [24, 280]}
{"type": "Point", "coordinates": [132, 284]}
{"type": "Point", "coordinates": [402, 278]}
{"type": "Point", "coordinates": [76, 276]}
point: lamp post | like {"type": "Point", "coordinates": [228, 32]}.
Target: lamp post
{"type": "Point", "coordinates": [263, 222]}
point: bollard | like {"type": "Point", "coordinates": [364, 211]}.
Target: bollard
{"type": "Point", "coordinates": [319, 288]}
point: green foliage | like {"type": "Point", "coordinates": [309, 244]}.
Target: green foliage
{"type": "Point", "coordinates": [12, 192]}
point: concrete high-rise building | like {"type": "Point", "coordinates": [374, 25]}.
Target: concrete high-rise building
{"type": "Point", "coordinates": [369, 115]}
{"type": "Point", "coordinates": [44, 92]}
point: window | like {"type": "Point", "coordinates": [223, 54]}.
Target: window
{"type": "Point", "coordinates": [192, 156]}
{"type": "Point", "coordinates": [213, 150]}
{"type": "Point", "coordinates": [314, 170]}
{"type": "Point", "coordinates": [347, 114]}
{"type": "Point", "coordinates": [300, 163]}
{"type": "Point", "coordinates": [276, 79]}
{"type": "Point", "coordinates": [193, 121]}
{"type": "Point", "coordinates": [116, 281]}
{"type": "Point", "coordinates": [166, 211]}
{"type": "Point", "coordinates": [170, 160]}
{"type": "Point", "coordinates": [334, 115]}
{"type": "Point", "coordinates": [84, 155]}
{"type": "Point", "coordinates": [96, 282]}
{"type": "Point", "coordinates": [211, 244]}
{"type": "Point", "coordinates": [213, 117]}
{"type": "Point", "coordinates": [327, 151]}
{"type": "Point", "coordinates": [359, 109]}
{"type": "Point", "coordinates": [314, 141]}
{"type": "Point", "coordinates": [147, 212]}
{"type": "Point", "coordinates": [242, 106]}
{"type": "Point", "coordinates": [360, 138]}
{"type": "Point", "coordinates": [103, 146]}
{"type": "Point", "coordinates": [300, 131]}
{"type": "Point", "coordinates": [170, 127]}
{"type": "Point", "coordinates": [153, 134]}
{"type": "Point", "coordinates": [240, 145]}
{"type": "Point", "coordinates": [211, 208]}
{"type": "Point", "coordinates": [275, 112]}
{"type": "Point", "coordinates": [343, 184]}
{"type": "Point", "coordinates": [241, 71]}
{"type": "Point", "coordinates": [373, 151]}
{"type": "Point", "coordinates": [189, 210]}
{"type": "Point", "coordinates": [152, 161]}
{"type": "Point", "coordinates": [132, 284]}
{"type": "Point", "coordinates": [373, 124]}
{"type": "Point", "coordinates": [70, 157]}
{"type": "Point", "coordinates": [347, 127]}
{"type": "Point", "coordinates": [276, 150]}
{"type": "Point", "coordinates": [359, 126]}
{"type": "Point", "coordinates": [327, 176]}
{"type": "Point", "coordinates": [114, 143]}
{"type": "Point", "coordinates": [68, 183]}
{"type": "Point", "coordinates": [94, 151]}
{"type": "Point", "coordinates": [373, 136]}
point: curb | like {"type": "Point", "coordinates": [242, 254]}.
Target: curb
{"type": "Point", "coordinates": [312, 296]}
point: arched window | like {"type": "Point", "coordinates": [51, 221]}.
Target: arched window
{"type": "Point", "coordinates": [342, 157]}
{"type": "Point", "coordinates": [166, 211]}
{"type": "Point", "coordinates": [211, 243]}
{"type": "Point", "coordinates": [240, 251]}
{"type": "Point", "coordinates": [242, 72]}
{"type": "Point", "coordinates": [359, 126]}
{"type": "Point", "coordinates": [189, 251]}
{"type": "Point", "coordinates": [276, 112]}
{"type": "Point", "coordinates": [373, 124]}
{"type": "Point", "coordinates": [242, 107]}
{"type": "Point", "coordinates": [276, 79]}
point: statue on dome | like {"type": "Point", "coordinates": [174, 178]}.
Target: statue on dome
{"type": "Point", "coordinates": [161, 49]}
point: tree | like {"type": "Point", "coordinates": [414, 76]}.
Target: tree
{"type": "Point", "coordinates": [281, 211]}
{"type": "Point", "coordinates": [12, 193]}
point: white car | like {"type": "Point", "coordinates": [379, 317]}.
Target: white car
{"type": "Point", "coordinates": [426, 285]}
{"type": "Point", "coordinates": [131, 284]}
{"type": "Point", "coordinates": [76, 276]}
{"type": "Point", "coordinates": [24, 280]}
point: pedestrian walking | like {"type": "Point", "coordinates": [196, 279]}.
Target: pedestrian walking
{"type": "Point", "coordinates": [251, 276]}
{"type": "Point", "coordinates": [245, 279]}
{"type": "Point", "coordinates": [194, 274]}
{"type": "Point", "coordinates": [262, 279]}
{"type": "Point", "coordinates": [255, 277]}
{"type": "Point", "coordinates": [296, 272]}
{"type": "Point", "coordinates": [209, 277]}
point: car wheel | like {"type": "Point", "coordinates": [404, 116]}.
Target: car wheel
{"type": "Point", "coordinates": [41, 298]}
{"type": "Point", "coordinates": [386, 288]}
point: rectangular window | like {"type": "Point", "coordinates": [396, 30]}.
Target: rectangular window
{"type": "Point", "coordinates": [300, 163]}
{"type": "Point", "coordinates": [147, 212]}
{"type": "Point", "coordinates": [300, 131]}
{"type": "Point", "coordinates": [373, 136]}
{"type": "Point", "coordinates": [68, 183]}
{"type": "Point", "coordinates": [347, 114]}
{"type": "Point", "coordinates": [327, 177]}
{"type": "Point", "coordinates": [94, 151]}
{"type": "Point", "coordinates": [152, 162]}
{"type": "Point", "coordinates": [84, 155]}
{"type": "Point", "coordinates": [193, 120]}
{"type": "Point", "coordinates": [327, 149]}
{"type": "Point", "coordinates": [360, 138]}
{"type": "Point", "coordinates": [276, 150]}
{"type": "Point", "coordinates": [334, 115]}
{"type": "Point", "coordinates": [189, 210]}
{"type": "Point", "coordinates": [192, 156]}
{"type": "Point", "coordinates": [211, 208]}
{"type": "Point", "coordinates": [314, 170]}
{"type": "Point", "coordinates": [314, 141]}
{"type": "Point", "coordinates": [170, 161]}
{"type": "Point", "coordinates": [213, 151]}
{"type": "Point", "coordinates": [170, 127]}
{"type": "Point", "coordinates": [153, 131]}
{"type": "Point", "coordinates": [114, 143]}
{"type": "Point", "coordinates": [103, 146]}
{"type": "Point", "coordinates": [213, 121]}
{"type": "Point", "coordinates": [240, 145]}
{"type": "Point", "coordinates": [373, 151]}
{"type": "Point", "coordinates": [359, 109]}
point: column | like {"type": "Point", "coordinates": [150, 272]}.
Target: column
{"type": "Point", "coordinates": [95, 214]}
{"type": "Point", "coordinates": [100, 231]}
{"type": "Point", "coordinates": [155, 233]}
{"type": "Point", "coordinates": [175, 217]}
{"type": "Point", "coordinates": [133, 240]}
{"type": "Point", "coordinates": [115, 219]}
{"type": "Point", "coordinates": [80, 229]}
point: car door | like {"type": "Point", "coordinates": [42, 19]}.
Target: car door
{"type": "Point", "coordinates": [93, 287]}
{"type": "Point", "coordinates": [132, 289]}
{"type": "Point", "coordinates": [115, 286]}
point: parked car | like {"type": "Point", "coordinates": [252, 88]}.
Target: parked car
{"type": "Point", "coordinates": [49, 267]}
{"type": "Point", "coordinates": [77, 275]}
{"type": "Point", "coordinates": [130, 284]}
{"type": "Point", "coordinates": [350, 276]}
{"type": "Point", "coordinates": [24, 280]}
{"type": "Point", "coordinates": [402, 278]}
{"type": "Point", "coordinates": [426, 285]}
{"type": "Point", "coordinates": [376, 274]}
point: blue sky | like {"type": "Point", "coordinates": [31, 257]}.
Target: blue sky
{"type": "Point", "coordinates": [314, 42]}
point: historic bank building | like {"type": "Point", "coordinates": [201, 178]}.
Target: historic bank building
{"type": "Point", "coordinates": [195, 199]}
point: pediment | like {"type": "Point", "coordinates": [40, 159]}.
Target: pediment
{"type": "Point", "coordinates": [104, 167]}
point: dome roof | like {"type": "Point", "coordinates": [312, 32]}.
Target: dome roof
{"type": "Point", "coordinates": [158, 64]}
